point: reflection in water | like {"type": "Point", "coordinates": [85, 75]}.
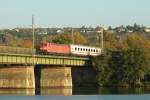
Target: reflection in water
{"type": "Point", "coordinates": [85, 90]}
{"type": "Point", "coordinates": [56, 91]}
{"type": "Point", "coordinates": [124, 90]}
{"type": "Point", "coordinates": [75, 91]}
{"type": "Point", "coordinates": [43, 91]}
{"type": "Point", "coordinates": [17, 91]}
{"type": "Point", "coordinates": [110, 90]}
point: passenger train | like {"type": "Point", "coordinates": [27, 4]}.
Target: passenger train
{"type": "Point", "coordinates": [78, 50]}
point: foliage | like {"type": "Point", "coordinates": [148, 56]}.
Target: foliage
{"type": "Point", "coordinates": [79, 38]}
{"type": "Point", "coordinates": [128, 64]}
{"type": "Point", "coordinates": [66, 38]}
{"type": "Point", "coordinates": [135, 28]}
{"type": "Point", "coordinates": [103, 69]}
{"type": "Point", "coordinates": [136, 65]}
{"type": "Point", "coordinates": [62, 39]}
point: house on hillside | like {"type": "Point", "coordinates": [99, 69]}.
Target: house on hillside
{"type": "Point", "coordinates": [120, 29]}
{"type": "Point", "coordinates": [147, 29]}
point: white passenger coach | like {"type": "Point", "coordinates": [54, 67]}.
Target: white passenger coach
{"type": "Point", "coordinates": [85, 50]}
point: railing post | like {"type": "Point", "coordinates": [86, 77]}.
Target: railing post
{"type": "Point", "coordinates": [63, 62]}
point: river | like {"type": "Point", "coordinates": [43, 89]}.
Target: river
{"type": "Point", "coordinates": [77, 93]}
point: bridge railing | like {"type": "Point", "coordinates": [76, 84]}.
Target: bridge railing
{"type": "Point", "coordinates": [44, 60]}
{"type": "Point", "coordinates": [15, 50]}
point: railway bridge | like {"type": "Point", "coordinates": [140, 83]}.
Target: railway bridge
{"type": "Point", "coordinates": [41, 71]}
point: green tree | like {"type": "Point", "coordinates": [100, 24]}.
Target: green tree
{"type": "Point", "coordinates": [62, 39]}
{"type": "Point", "coordinates": [104, 71]}
{"type": "Point", "coordinates": [136, 65]}
{"type": "Point", "coordinates": [66, 38]}
{"type": "Point", "coordinates": [127, 66]}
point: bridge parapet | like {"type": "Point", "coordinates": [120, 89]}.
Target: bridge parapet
{"type": "Point", "coordinates": [44, 60]}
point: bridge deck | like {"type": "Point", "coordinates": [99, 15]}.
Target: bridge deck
{"type": "Point", "coordinates": [6, 58]}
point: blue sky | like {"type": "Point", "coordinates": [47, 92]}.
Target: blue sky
{"type": "Point", "coordinates": [59, 13]}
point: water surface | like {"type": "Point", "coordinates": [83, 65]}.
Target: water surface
{"type": "Point", "coordinates": [76, 91]}
{"type": "Point", "coordinates": [79, 97]}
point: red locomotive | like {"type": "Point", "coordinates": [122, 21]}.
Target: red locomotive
{"type": "Point", "coordinates": [55, 48]}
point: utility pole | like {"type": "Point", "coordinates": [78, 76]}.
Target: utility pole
{"type": "Point", "coordinates": [102, 39]}
{"type": "Point", "coordinates": [33, 40]}
{"type": "Point", "coordinates": [72, 35]}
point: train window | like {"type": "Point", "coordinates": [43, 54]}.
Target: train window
{"type": "Point", "coordinates": [96, 50]}
{"type": "Point", "coordinates": [89, 50]}
{"type": "Point", "coordinates": [75, 48]}
{"type": "Point", "coordinates": [83, 49]}
{"type": "Point", "coordinates": [78, 49]}
{"type": "Point", "coordinates": [86, 49]}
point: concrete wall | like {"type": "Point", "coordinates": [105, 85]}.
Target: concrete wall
{"type": "Point", "coordinates": [55, 77]}
{"type": "Point", "coordinates": [17, 77]}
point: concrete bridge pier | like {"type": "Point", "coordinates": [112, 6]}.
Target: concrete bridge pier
{"type": "Point", "coordinates": [55, 77]}
{"type": "Point", "coordinates": [15, 76]}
